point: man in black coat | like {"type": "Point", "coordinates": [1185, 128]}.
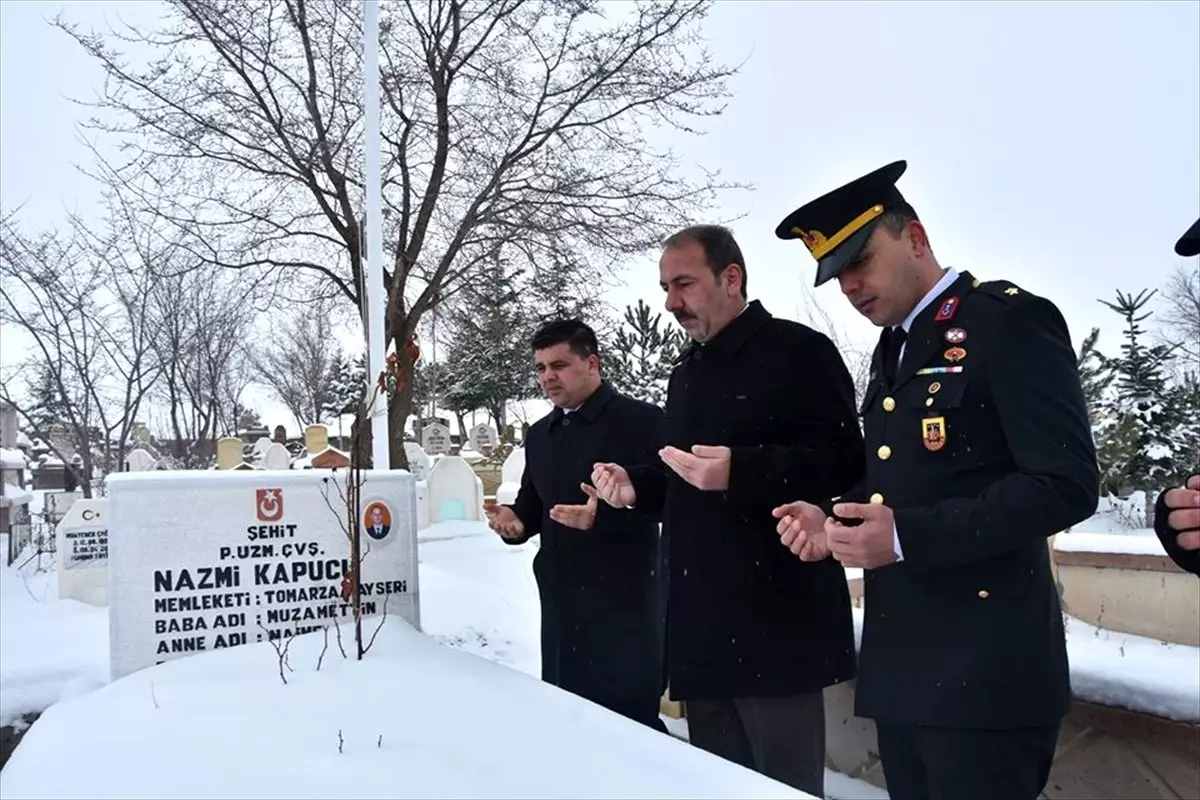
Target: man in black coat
{"type": "Point", "coordinates": [598, 568]}
{"type": "Point", "coordinates": [1177, 511]}
{"type": "Point", "coordinates": [978, 450]}
{"type": "Point", "coordinates": [759, 410]}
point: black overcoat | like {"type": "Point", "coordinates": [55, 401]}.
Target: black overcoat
{"type": "Point", "coordinates": [983, 449]}
{"type": "Point", "coordinates": [746, 618]}
{"type": "Point", "coordinates": [602, 593]}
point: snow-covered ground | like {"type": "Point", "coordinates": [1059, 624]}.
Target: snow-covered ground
{"type": "Point", "coordinates": [424, 715]}
{"type": "Point", "coordinates": [1117, 515]}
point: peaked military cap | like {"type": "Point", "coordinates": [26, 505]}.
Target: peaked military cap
{"type": "Point", "coordinates": [837, 225]}
{"type": "Point", "coordinates": [1189, 244]}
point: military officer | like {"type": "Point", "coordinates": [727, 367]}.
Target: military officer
{"type": "Point", "coordinates": [978, 449]}
{"type": "Point", "coordinates": [1177, 511]}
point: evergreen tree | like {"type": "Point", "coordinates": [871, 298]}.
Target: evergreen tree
{"type": "Point", "coordinates": [46, 403]}
{"type": "Point", "coordinates": [1144, 423]}
{"type": "Point", "coordinates": [1095, 375]}
{"type": "Point", "coordinates": [489, 360]}
{"type": "Point", "coordinates": [641, 355]}
{"type": "Point", "coordinates": [347, 386]}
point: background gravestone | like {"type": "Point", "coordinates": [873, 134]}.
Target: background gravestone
{"type": "Point", "coordinates": [82, 552]}
{"type": "Point", "coordinates": [482, 438]}
{"type": "Point", "coordinates": [139, 461]}
{"type": "Point", "coordinates": [276, 456]}
{"type": "Point", "coordinates": [435, 439]}
{"type": "Point", "coordinates": [418, 460]}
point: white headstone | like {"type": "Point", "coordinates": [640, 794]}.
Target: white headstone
{"type": "Point", "coordinates": [435, 438]}
{"type": "Point", "coordinates": [276, 456]}
{"type": "Point", "coordinates": [139, 460]}
{"type": "Point", "coordinates": [261, 445]}
{"type": "Point", "coordinates": [55, 505]}
{"type": "Point", "coordinates": [418, 460]}
{"type": "Point", "coordinates": [455, 491]}
{"type": "Point", "coordinates": [510, 476]}
{"type": "Point", "coordinates": [82, 551]}
{"type": "Point", "coordinates": [201, 560]}
{"type": "Point", "coordinates": [483, 438]}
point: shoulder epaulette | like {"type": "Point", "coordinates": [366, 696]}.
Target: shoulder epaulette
{"type": "Point", "coordinates": [1006, 290]}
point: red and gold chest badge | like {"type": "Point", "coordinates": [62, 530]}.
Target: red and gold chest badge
{"type": "Point", "coordinates": [955, 354]}
{"type": "Point", "coordinates": [933, 433]}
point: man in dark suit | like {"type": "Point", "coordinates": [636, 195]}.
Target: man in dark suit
{"type": "Point", "coordinates": [598, 568]}
{"type": "Point", "coordinates": [978, 449]}
{"type": "Point", "coordinates": [1177, 511]}
{"type": "Point", "coordinates": [759, 410]}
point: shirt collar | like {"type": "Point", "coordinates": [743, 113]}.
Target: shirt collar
{"type": "Point", "coordinates": [949, 276]}
{"type": "Point", "coordinates": [590, 408]}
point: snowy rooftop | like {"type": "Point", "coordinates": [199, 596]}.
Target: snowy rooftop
{"type": "Point", "coordinates": [12, 459]}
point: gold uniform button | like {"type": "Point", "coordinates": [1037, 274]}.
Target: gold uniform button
{"type": "Point", "coordinates": [889, 404]}
{"type": "Point", "coordinates": [884, 452]}
{"type": "Point", "coordinates": [877, 499]}
{"type": "Point", "coordinates": [983, 593]}
{"type": "Point", "coordinates": [928, 401]}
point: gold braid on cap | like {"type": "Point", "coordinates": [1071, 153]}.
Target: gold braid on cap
{"type": "Point", "coordinates": [820, 245]}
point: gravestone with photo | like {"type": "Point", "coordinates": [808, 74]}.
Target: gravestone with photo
{"type": "Point", "coordinates": [203, 560]}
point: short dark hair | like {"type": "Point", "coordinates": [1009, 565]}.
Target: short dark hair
{"type": "Point", "coordinates": [576, 333]}
{"type": "Point", "coordinates": [896, 217]}
{"type": "Point", "coordinates": [720, 248]}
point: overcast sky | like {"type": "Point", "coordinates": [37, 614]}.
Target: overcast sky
{"type": "Point", "coordinates": [1056, 145]}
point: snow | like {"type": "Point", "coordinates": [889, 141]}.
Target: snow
{"type": "Point", "coordinates": [1117, 515]}
{"type": "Point", "coordinates": [1135, 544]}
{"type": "Point", "coordinates": [406, 715]}
{"type": "Point", "coordinates": [50, 649]}
{"type": "Point", "coordinates": [12, 459]}
{"type": "Point", "coordinates": [466, 685]}
{"type": "Point", "coordinates": [11, 495]}
{"type": "Point", "coordinates": [1134, 672]}
{"type": "Point", "coordinates": [23, 440]}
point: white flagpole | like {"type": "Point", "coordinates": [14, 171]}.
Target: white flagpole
{"type": "Point", "coordinates": [373, 287]}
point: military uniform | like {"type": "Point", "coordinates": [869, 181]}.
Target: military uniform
{"type": "Point", "coordinates": [978, 439]}
{"type": "Point", "coordinates": [1187, 246]}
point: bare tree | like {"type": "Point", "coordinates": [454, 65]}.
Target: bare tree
{"type": "Point", "coordinates": [204, 322]}
{"type": "Point", "coordinates": [510, 127]}
{"type": "Point", "coordinates": [82, 297]}
{"type": "Point", "coordinates": [300, 362]}
{"type": "Point", "coordinates": [1180, 317]}
{"type": "Point", "coordinates": [857, 357]}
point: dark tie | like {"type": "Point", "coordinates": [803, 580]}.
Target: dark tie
{"type": "Point", "coordinates": [891, 353]}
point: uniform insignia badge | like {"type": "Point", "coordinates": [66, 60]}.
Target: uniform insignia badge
{"type": "Point", "coordinates": [939, 370]}
{"type": "Point", "coordinates": [956, 336]}
{"type": "Point", "coordinates": [955, 354]}
{"type": "Point", "coordinates": [1012, 290]}
{"type": "Point", "coordinates": [947, 310]}
{"type": "Point", "coordinates": [935, 387]}
{"type": "Point", "coordinates": [933, 433]}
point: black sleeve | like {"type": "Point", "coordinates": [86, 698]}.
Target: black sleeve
{"type": "Point", "coordinates": [647, 432]}
{"type": "Point", "coordinates": [1034, 384]}
{"type": "Point", "coordinates": [823, 455]}
{"type": "Point", "coordinates": [528, 505]}
{"type": "Point", "coordinates": [1188, 560]}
